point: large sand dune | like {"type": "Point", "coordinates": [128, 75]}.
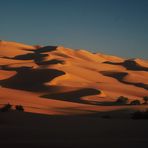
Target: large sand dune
{"type": "Point", "coordinates": [59, 80]}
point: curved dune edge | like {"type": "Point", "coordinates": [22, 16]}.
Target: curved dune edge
{"type": "Point", "coordinates": [120, 76]}
{"type": "Point", "coordinates": [35, 104]}
{"type": "Point", "coordinates": [59, 80]}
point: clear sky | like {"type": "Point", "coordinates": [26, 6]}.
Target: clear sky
{"type": "Point", "coordinates": [117, 27]}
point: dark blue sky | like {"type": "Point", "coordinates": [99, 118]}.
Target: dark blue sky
{"type": "Point", "coordinates": [117, 27]}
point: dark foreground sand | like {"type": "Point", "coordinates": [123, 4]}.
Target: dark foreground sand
{"type": "Point", "coordinates": [26, 130]}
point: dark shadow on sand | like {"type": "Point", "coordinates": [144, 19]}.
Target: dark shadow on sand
{"type": "Point", "coordinates": [74, 96]}
{"type": "Point", "coordinates": [39, 56]}
{"type": "Point", "coordinates": [120, 76]}
{"type": "Point", "coordinates": [129, 65]}
{"type": "Point", "coordinates": [30, 79]}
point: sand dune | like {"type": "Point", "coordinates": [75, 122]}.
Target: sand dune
{"type": "Point", "coordinates": [54, 76]}
{"type": "Point", "coordinates": [12, 48]}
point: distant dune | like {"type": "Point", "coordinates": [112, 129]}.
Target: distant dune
{"type": "Point", "coordinates": [59, 80]}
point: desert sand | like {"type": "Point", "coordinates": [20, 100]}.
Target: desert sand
{"type": "Point", "coordinates": [52, 79]}
{"type": "Point", "coordinates": [65, 92]}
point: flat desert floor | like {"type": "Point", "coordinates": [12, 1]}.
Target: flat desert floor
{"type": "Point", "coordinates": [27, 130]}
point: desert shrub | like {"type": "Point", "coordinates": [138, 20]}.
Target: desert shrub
{"type": "Point", "coordinates": [6, 107]}
{"type": "Point", "coordinates": [19, 107]}
{"type": "Point", "coordinates": [140, 115]}
{"type": "Point", "coordinates": [122, 100]}
{"type": "Point", "coordinates": [135, 102]}
{"type": "Point", "coordinates": [145, 98]}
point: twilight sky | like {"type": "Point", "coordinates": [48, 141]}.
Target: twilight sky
{"type": "Point", "coordinates": [117, 27]}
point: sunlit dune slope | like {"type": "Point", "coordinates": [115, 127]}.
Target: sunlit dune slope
{"type": "Point", "coordinates": [59, 80]}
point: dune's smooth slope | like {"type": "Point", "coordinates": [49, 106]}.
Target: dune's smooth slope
{"type": "Point", "coordinates": [53, 78]}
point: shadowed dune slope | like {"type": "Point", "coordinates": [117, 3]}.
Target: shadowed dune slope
{"type": "Point", "coordinates": [66, 76]}
{"type": "Point", "coordinates": [74, 96]}
{"type": "Point", "coordinates": [31, 79]}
